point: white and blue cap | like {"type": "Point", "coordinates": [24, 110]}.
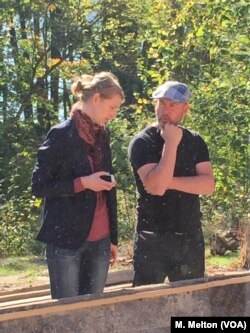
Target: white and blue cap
{"type": "Point", "coordinates": [173, 90]}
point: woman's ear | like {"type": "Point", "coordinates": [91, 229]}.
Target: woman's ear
{"type": "Point", "coordinates": [96, 97]}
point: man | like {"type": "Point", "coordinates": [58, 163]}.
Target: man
{"type": "Point", "coordinates": [172, 168]}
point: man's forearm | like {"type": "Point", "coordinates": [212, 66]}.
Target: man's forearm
{"type": "Point", "coordinates": [160, 176]}
{"type": "Point", "coordinates": [201, 184]}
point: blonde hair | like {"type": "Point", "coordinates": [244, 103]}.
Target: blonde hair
{"type": "Point", "coordinates": [104, 83]}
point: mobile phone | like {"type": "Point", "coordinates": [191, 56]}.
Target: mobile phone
{"type": "Point", "coordinates": [108, 178]}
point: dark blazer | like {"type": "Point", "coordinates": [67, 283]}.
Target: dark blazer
{"type": "Point", "coordinates": [68, 216]}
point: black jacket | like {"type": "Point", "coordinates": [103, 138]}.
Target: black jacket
{"type": "Point", "coordinates": [68, 216]}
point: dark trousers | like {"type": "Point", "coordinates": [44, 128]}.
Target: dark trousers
{"type": "Point", "coordinates": [173, 255]}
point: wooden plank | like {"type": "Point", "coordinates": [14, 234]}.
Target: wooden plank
{"type": "Point", "coordinates": [125, 295]}
{"type": "Point", "coordinates": [118, 277]}
{"type": "Point", "coordinates": [25, 302]}
{"type": "Point", "coordinates": [9, 298]}
{"type": "Point", "coordinates": [34, 298]}
{"type": "Point", "coordinates": [114, 282]}
{"type": "Point", "coordinates": [113, 278]}
{"type": "Point", "coordinates": [22, 296]}
{"type": "Point", "coordinates": [26, 289]}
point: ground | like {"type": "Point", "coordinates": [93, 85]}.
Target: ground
{"type": "Point", "coordinates": [27, 272]}
{"type": "Point", "coordinates": [18, 273]}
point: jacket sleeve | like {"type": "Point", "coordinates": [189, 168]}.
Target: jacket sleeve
{"type": "Point", "coordinates": [47, 178]}
{"type": "Point", "coordinates": [112, 206]}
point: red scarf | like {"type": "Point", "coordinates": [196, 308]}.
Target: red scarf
{"type": "Point", "coordinates": [94, 136]}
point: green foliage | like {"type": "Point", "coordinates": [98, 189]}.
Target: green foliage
{"type": "Point", "coordinates": [126, 124]}
{"type": "Point", "coordinates": [205, 44]}
{"type": "Point", "coordinates": [229, 260]}
{"type": "Point", "coordinates": [30, 268]}
{"type": "Point", "coordinates": [18, 210]}
{"type": "Point", "coordinates": [44, 44]}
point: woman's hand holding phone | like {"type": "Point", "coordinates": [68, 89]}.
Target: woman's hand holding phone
{"type": "Point", "coordinates": [108, 178]}
{"type": "Point", "coordinates": [99, 181]}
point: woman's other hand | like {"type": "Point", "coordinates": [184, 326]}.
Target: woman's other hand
{"type": "Point", "coordinates": [113, 254]}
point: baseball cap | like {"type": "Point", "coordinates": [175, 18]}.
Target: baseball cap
{"type": "Point", "coordinates": [173, 90]}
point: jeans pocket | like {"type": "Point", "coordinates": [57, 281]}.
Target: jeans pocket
{"type": "Point", "coordinates": [147, 235]}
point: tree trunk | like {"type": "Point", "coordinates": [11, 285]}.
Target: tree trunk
{"type": "Point", "coordinates": [56, 40]}
{"type": "Point", "coordinates": [26, 98]}
{"type": "Point", "coordinates": [244, 259]}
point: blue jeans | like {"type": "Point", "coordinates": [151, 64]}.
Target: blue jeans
{"type": "Point", "coordinates": [78, 272]}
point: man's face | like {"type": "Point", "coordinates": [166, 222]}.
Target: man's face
{"type": "Point", "coordinates": [169, 111]}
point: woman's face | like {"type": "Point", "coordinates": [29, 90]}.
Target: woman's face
{"type": "Point", "coordinates": [105, 109]}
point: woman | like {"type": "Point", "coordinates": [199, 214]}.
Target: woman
{"type": "Point", "coordinates": [79, 219]}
